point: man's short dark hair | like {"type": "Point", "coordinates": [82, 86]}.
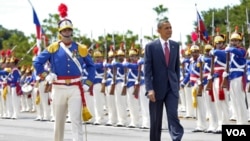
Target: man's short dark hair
{"type": "Point", "coordinates": [161, 22]}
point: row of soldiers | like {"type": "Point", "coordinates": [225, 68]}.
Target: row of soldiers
{"type": "Point", "coordinates": [214, 85]}
{"type": "Point", "coordinates": [19, 89]}
{"type": "Point", "coordinates": [119, 87]}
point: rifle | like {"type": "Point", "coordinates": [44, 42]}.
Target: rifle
{"type": "Point", "coordinates": [210, 82]}
{"type": "Point", "coordinates": [104, 67]}
{"type": "Point", "coordinates": [225, 82]}
{"type": "Point", "coordinates": [200, 89]}
{"type": "Point", "coordinates": [137, 86]}
{"type": "Point", "coordinates": [112, 89]}
{"type": "Point", "coordinates": [124, 89]}
{"type": "Point", "coordinates": [228, 26]}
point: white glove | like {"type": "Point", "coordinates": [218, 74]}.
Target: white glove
{"type": "Point", "coordinates": [248, 77]}
{"type": "Point", "coordinates": [211, 52]}
{"type": "Point", "coordinates": [124, 63]}
{"type": "Point", "coordinates": [38, 78]}
{"type": "Point", "coordinates": [113, 62]}
{"type": "Point", "coordinates": [104, 63]}
{"type": "Point", "coordinates": [227, 48]}
{"type": "Point", "coordinates": [85, 87]}
{"type": "Point", "coordinates": [225, 74]}
{"type": "Point", "coordinates": [136, 82]}
{"type": "Point", "coordinates": [124, 85]}
{"type": "Point", "coordinates": [181, 78]}
{"type": "Point", "coordinates": [103, 81]}
{"type": "Point", "coordinates": [209, 77]}
{"type": "Point", "coordinates": [51, 77]}
{"type": "Point", "coordinates": [199, 82]}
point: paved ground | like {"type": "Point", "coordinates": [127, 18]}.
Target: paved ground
{"type": "Point", "coordinates": [26, 129]}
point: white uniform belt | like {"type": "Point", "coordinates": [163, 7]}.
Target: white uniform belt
{"type": "Point", "coordinates": [193, 78]}
{"type": "Point", "coordinates": [219, 68]}
{"type": "Point", "coordinates": [68, 81]}
{"type": "Point", "coordinates": [236, 69]}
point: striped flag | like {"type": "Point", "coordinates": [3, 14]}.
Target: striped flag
{"type": "Point", "coordinates": [202, 28]}
{"type": "Point", "coordinates": [38, 28]}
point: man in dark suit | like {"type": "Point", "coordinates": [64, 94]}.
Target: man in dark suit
{"type": "Point", "coordinates": [162, 75]}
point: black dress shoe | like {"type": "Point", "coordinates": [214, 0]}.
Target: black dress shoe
{"type": "Point", "coordinates": [217, 132]}
{"type": "Point", "coordinates": [120, 125]}
{"type": "Point", "coordinates": [197, 130]}
{"type": "Point", "coordinates": [208, 131]}
{"type": "Point", "coordinates": [131, 126]}
{"type": "Point", "coordinates": [144, 127]}
{"type": "Point", "coordinates": [96, 123]}
{"type": "Point", "coordinates": [108, 124]}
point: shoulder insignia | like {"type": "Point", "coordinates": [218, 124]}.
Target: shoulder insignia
{"type": "Point", "coordinates": [83, 50]}
{"type": "Point", "coordinates": [53, 47]}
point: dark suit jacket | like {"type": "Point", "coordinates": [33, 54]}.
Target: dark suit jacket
{"type": "Point", "coordinates": [157, 73]}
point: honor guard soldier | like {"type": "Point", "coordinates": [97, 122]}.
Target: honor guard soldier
{"type": "Point", "coordinates": [195, 81]}
{"type": "Point", "coordinates": [248, 81]}
{"type": "Point", "coordinates": [132, 92]}
{"type": "Point", "coordinates": [23, 99]}
{"type": "Point", "coordinates": [14, 86]}
{"type": "Point", "coordinates": [120, 95]}
{"type": "Point", "coordinates": [190, 112]}
{"type": "Point", "coordinates": [220, 94]}
{"type": "Point", "coordinates": [2, 73]}
{"type": "Point", "coordinates": [27, 88]}
{"type": "Point", "coordinates": [236, 75]}
{"type": "Point", "coordinates": [99, 97]}
{"type": "Point", "coordinates": [8, 110]}
{"type": "Point", "coordinates": [67, 59]}
{"type": "Point", "coordinates": [143, 99]}
{"type": "Point", "coordinates": [110, 86]}
{"type": "Point", "coordinates": [211, 114]}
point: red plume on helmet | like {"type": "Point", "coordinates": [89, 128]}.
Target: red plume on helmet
{"type": "Point", "coordinates": [8, 53]}
{"type": "Point", "coordinates": [2, 53]}
{"type": "Point", "coordinates": [64, 23]}
{"type": "Point", "coordinates": [35, 50]}
{"type": "Point", "coordinates": [194, 36]}
{"type": "Point", "coordinates": [63, 9]}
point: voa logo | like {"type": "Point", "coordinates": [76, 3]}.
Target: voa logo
{"type": "Point", "coordinates": [236, 132]}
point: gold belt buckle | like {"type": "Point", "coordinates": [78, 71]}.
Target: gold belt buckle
{"type": "Point", "coordinates": [68, 81]}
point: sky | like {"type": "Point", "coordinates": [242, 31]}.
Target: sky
{"type": "Point", "coordinates": [94, 17]}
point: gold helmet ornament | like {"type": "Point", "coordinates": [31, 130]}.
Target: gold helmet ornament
{"type": "Point", "coordinates": [111, 52]}
{"type": "Point", "coordinates": [120, 51]}
{"type": "Point", "coordinates": [194, 48]}
{"type": "Point", "coordinates": [97, 52]}
{"type": "Point", "coordinates": [142, 51]}
{"type": "Point", "coordinates": [236, 35]}
{"type": "Point", "coordinates": [188, 50]}
{"type": "Point", "coordinates": [219, 37]}
{"type": "Point", "coordinates": [132, 51]}
{"type": "Point", "coordinates": [208, 47]}
{"type": "Point", "coordinates": [28, 70]}
{"type": "Point", "coordinates": [23, 68]}
{"type": "Point", "coordinates": [64, 23]}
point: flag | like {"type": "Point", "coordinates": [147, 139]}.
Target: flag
{"type": "Point", "coordinates": [202, 28]}
{"type": "Point", "coordinates": [39, 31]}
{"type": "Point", "coordinates": [37, 23]}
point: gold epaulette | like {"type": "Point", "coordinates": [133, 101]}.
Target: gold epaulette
{"type": "Point", "coordinates": [82, 49]}
{"type": "Point", "coordinates": [53, 47]}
